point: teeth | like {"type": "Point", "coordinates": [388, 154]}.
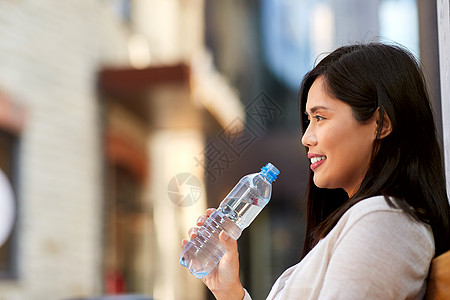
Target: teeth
{"type": "Point", "coordinates": [317, 158]}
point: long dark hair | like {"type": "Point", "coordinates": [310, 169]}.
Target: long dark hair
{"type": "Point", "coordinates": [407, 164]}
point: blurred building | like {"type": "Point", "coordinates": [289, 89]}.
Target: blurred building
{"type": "Point", "coordinates": [102, 105]}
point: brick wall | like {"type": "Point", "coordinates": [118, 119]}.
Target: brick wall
{"type": "Point", "coordinates": [50, 51]}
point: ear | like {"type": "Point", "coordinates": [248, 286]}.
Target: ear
{"type": "Point", "coordinates": [386, 125]}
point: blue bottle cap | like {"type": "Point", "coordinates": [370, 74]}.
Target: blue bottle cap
{"type": "Point", "coordinates": [270, 171]}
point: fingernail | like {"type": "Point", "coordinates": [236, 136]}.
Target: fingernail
{"type": "Point", "coordinates": [200, 220]}
{"type": "Point", "coordinates": [225, 236]}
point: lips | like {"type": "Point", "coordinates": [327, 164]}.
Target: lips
{"type": "Point", "coordinates": [316, 160]}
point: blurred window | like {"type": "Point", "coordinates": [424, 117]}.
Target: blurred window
{"type": "Point", "coordinates": [8, 153]}
{"type": "Point", "coordinates": [296, 33]}
{"type": "Point", "coordinates": [125, 212]}
{"type": "Point", "coordinates": [123, 219]}
{"type": "Point", "coordinates": [399, 22]}
{"type": "Point", "coordinates": [123, 9]}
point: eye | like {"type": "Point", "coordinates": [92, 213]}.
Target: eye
{"type": "Point", "coordinates": [318, 118]}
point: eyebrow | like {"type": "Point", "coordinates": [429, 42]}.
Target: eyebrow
{"type": "Point", "coordinates": [316, 108]}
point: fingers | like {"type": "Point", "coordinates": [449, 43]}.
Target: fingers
{"type": "Point", "coordinates": [209, 211]}
{"type": "Point", "coordinates": [202, 219]}
{"type": "Point", "coordinates": [192, 233]}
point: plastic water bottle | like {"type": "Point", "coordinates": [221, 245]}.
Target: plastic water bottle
{"type": "Point", "coordinates": [235, 213]}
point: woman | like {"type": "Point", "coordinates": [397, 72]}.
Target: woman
{"type": "Point", "coordinates": [377, 206]}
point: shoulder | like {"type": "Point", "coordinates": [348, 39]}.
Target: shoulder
{"type": "Point", "coordinates": [376, 209]}
{"type": "Point", "coordinates": [370, 205]}
{"type": "Point", "coordinates": [373, 218]}
{"type": "Point", "coordinates": [377, 252]}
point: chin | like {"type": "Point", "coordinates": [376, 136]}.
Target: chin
{"type": "Point", "coordinates": [318, 183]}
{"type": "Point", "coordinates": [323, 185]}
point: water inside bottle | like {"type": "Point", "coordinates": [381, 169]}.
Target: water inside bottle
{"type": "Point", "coordinates": [243, 210]}
{"type": "Point", "coordinates": [200, 255]}
{"type": "Point", "coordinates": [239, 208]}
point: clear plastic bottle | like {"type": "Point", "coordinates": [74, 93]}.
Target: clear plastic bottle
{"type": "Point", "coordinates": [235, 213]}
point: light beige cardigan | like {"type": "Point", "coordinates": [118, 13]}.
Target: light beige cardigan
{"type": "Point", "coordinates": [373, 252]}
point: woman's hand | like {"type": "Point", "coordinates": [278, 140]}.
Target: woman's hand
{"type": "Point", "coordinates": [224, 280]}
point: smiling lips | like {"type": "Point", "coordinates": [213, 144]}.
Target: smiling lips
{"type": "Point", "coordinates": [316, 160]}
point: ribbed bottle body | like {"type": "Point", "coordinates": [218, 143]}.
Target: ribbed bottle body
{"type": "Point", "coordinates": [201, 255]}
{"type": "Point", "coordinates": [235, 213]}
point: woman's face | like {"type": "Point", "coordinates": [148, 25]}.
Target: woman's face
{"type": "Point", "coordinates": [339, 147]}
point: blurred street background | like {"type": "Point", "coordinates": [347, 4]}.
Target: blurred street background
{"type": "Point", "coordinates": [121, 121]}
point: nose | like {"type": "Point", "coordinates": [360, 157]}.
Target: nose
{"type": "Point", "coordinates": [309, 138]}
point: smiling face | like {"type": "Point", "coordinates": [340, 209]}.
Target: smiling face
{"type": "Point", "coordinates": [339, 146]}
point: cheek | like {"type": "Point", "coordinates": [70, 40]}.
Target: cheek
{"type": "Point", "coordinates": [337, 144]}
{"type": "Point", "coordinates": [356, 152]}
{"type": "Point", "coordinates": [348, 151]}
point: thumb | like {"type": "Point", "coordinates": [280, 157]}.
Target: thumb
{"type": "Point", "coordinates": [228, 242]}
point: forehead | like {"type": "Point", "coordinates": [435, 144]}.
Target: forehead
{"type": "Point", "coordinates": [318, 96]}
{"type": "Point", "coordinates": [319, 99]}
